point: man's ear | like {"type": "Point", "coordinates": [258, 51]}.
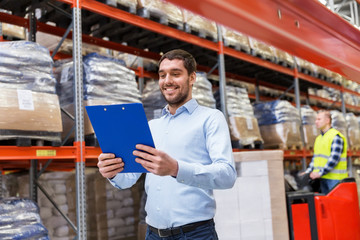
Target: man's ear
{"type": "Point", "coordinates": [192, 78]}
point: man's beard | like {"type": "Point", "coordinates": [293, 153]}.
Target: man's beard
{"type": "Point", "coordinates": [179, 99]}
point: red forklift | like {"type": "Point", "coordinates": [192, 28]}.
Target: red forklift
{"type": "Point", "coordinates": [316, 216]}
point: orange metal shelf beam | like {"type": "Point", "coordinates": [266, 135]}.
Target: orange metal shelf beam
{"type": "Point", "coordinates": [303, 28]}
{"type": "Point", "coordinates": [14, 153]}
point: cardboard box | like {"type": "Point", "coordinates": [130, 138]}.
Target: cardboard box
{"type": "Point", "coordinates": [26, 110]}
{"type": "Point", "coordinates": [281, 135]}
{"type": "Point", "coordinates": [244, 129]}
{"type": "Point", "coordinates": [255, 208]}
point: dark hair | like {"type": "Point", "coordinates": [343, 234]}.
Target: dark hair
{"type": "Point", "coordinates": [188, 59]}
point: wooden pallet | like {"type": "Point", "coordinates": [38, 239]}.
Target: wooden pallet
{"type": "Point", "coordinates": [203, 33]}
{"type": "Point", "coordinates": [283, 146]}
{"type": "Point", "coordinates": [253, 145]}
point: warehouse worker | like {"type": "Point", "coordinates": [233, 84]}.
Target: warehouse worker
{"type": "Point", "coordinates": [193, 156]}
{"type": "Point", "coordinates": [329, 160]}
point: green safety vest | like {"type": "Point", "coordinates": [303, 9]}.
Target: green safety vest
{"type": "Point", "coordinates": [322, 151]}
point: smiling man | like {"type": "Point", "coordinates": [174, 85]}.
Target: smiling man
{"type": "Point", "coordinates": [193, 156]}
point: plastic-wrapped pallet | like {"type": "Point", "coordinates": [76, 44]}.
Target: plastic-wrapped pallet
{"type": "Point", "coordinates": [167, 13]}
{"type": "Point", "coordinates": [129, 5]}
{"type": "Point", "coordinates": [308, 116]}
{"type": "Point", "coordinates": [338, 122]}
{"type": "Point", "coordinates": [353, 129]}
{"type": "Point", "coordinates": [202, 91]}
{"type": "Point", "coordinates": [244, 129]}
{"type": "Point", "coordinates": [106, 81]}
{"type": "Point", "coordinates": [260, 48]}
{"type": "Point", "coordinates": [153, 100]}
{"type": "Point", "coordinates": [279, 123]}
{"type": "Point", "coordinates": [202, 26]}
{"type": "Point", "coordinates": [29, 106]}
{"type": "Point", "coordinates": [20, 219]}
{"type": "Point", "coordinates": [235, 39]}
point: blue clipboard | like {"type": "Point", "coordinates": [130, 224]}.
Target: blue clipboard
{"type": "Point", "coordinates": [119, 128]}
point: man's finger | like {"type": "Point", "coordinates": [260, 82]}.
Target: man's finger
{"type": "Point", "coordinates": [104, 156]}
{"type": "Point", "coordinates": [145, 148]}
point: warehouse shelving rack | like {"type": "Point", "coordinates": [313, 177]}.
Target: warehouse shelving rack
{"type": "Point", "coordinates": [281, 25]}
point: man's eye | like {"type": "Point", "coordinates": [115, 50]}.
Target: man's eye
{"type": "Point", "coordinates": [162, 76]}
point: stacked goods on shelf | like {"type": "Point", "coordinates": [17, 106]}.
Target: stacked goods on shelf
{"type": "Point", "coordinates": [106, 81]}
{"type": "Point", "coordinates": [305, 66]}
{"type": "Point", "coordinates": [308, 116]}
{"type": "Point", "coordinates": [56, 185]}
{"type": "Point", "coordinates": [29, 106]}
{"type": "Point", "coordinates": [202, 91]}
{"type": "Point", "coordinates": [244, 129]}
{"type": "Point", "coordinates": [279, 123]}
{"type": "Point", "coordinates": [201, 26]}
{"type": "Point", "coordinates": [20, 219]}
{"type": "Point", "coordinates": [153, 100]}
{"type": "Point", "coordinates": [262, 50]}
{"type": "Point", "coordinates": [132, 61]}
{"type": "Point", "coordinates": [338, 122]}
{"type": "Point", "coordinates": [128, 5]}
{"type": "Point", "coordinates": [164, 12]}
{"type": "Point", "coordinates": [111, 213]}
{"type": "Point", "coordinates": [284, 58]}
{"type": "Point", "coordinates": [235, 39]}
{"type": "Point", "coordinates": [353, 129]}
{"type": "Point", "coordinates": [12, 31]}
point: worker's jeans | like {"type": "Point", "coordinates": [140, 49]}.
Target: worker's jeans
{"type": "Point", "coordinates": [327, 184]}
{"type": "Point", "coordinates": [203, 232]}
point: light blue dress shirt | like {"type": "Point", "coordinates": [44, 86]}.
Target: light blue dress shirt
{"type": "Point", "coordinates": [198, 138]}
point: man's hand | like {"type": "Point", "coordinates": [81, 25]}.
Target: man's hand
{"type": "Point", "coordinates": [315, 175]}
{"type": "Point", "coordinates": [156, 161]}
{"type": "Point", "coordinates": [109, 166]}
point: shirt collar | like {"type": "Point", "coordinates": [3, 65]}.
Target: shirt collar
{"type": "Point", "coordinates": [190, 106]}
{"type": "Point", "coordinates": [322, 133]}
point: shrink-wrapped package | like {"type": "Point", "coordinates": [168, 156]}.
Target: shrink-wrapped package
{"type": "Point", "coordinates": [106, 81]}
{"type": "Point", "coordinates": [167, 13]}
{"type": "Point", "coordinates": [153, 100]}
{"type": "Point", "coordinates": [129, 5]}
{"type": "Point", "coordinates": [204, 27]}
{"type": "Point", "coordinates": [279, 123]}
{"type": "Point", "coordinates": [353, 130]}
{"type": "Point", "coordinates": [235, 39]}
{"type": "Point", "coordinates": [260, 48]}
{"type": "Point", "coordinates": [338, 122]}
{"type": "Point", "coordinates": [20, 219]}
{"type": "Point", "coordinates": [29, 106]}
{"type": "Point", "coordinates": [202, 91]}
{"type": "Point", "coordinates": [308, 116]}
{"type": "Point", "coordinates": [244, 129]}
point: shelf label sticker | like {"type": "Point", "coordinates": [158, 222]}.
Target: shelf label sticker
{"type": "Point", "coordinates": [249, 124]}
{"type": "Point", "coordinates": [46, 153]}
{"type": "Point", "coordinates": [25, 100]}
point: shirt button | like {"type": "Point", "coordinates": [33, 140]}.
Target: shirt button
{"type": "Point", "coordinates": [166, 132]}
{"type": "Point", "coordinates": [158, 188]}
{"type": "Point", "coordinates": [158, 209]}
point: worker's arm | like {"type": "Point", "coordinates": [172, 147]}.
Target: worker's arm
{"type": "Point", "coordinates": [336, 150]}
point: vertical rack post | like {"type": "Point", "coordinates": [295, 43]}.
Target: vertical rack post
{"type": "Point", "coordinates": [343, 110]}
{"type": "Point", "coordinates": [222, 79]}
{"type": "Point", "coordinates": [141, 74]}
{"type": "Point", "coordinates": [298, 106]}
{"type": "Point", "coordinates": [33, 171]}
{"type": "Point", "coordinates": [79, 123]}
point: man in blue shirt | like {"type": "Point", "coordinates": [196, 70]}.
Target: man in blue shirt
{"type": "Point", "coordinates": [193, 156]}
